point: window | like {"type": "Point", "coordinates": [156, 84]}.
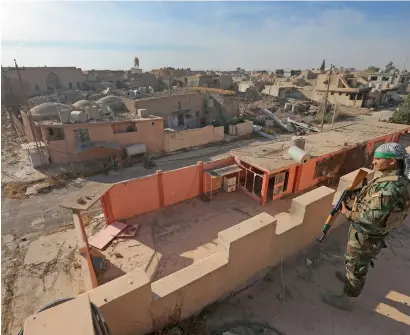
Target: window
{"type": "Point", "coordinates": [70, 85]}
{"type": "Point", "coordinates": [126, 127]}
{"type": "Point", "coordinates": [373, 78]}
{"type": "Point", "coordinates": [385, 78]}
{"type": "Point", "coordinates": [55, 134]}
{"type": "Point", "coordinates": [78, 85]}
{"type": "Point", "coordinates": [197, 113]}
{"type": "Point", "coordinates": [37, 87]}
{"type": "Point", "coordinates": [179, 106]}
{"type": "Point", "coordinates": [152, 123]}
{"type": "Point", "coordinates": [82, 137]}
{"type": "Point", "coordinates": [278, 184]}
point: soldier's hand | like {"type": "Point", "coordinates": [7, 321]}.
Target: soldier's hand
{"type": "Point", "coordinates": [344, 208]}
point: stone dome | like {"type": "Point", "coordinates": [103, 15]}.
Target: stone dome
{"type": "Point", "coordinates": [48, 110]}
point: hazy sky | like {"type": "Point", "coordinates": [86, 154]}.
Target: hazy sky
{"type": "Point", "coordinates": [205, 35]}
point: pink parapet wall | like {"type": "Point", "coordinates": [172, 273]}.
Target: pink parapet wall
{"type": "Point", "coordinates": [142, 195]}
{"type": "Point", "coordinates": [132, 304]}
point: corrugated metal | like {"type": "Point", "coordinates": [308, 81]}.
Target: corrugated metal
{"type": "Point", "coordinates": [225, 171]}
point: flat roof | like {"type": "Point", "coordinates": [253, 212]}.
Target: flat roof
{"type": "Point", "coordinates": [273, 155]}
{"type": "Point", "coordinates": [118, 118]}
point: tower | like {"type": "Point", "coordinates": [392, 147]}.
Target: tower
{"type": "Point", "coordinates": [136, 63]}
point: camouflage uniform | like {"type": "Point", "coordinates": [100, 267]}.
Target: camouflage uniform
{"type": "Point", "coordinates": [380, 207]}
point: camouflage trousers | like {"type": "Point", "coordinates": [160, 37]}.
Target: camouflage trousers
{"type": "Point", "coordinates": [360, 253]}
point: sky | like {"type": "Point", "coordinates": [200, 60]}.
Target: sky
{"type": "Point", "coordinates": [205, 35]}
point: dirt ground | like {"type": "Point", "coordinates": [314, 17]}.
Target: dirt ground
{"type": "Point", "coordinates": [37, 269]}
{"type": "Point", "coordinates": [288, 298]}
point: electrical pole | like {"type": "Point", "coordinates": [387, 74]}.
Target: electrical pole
{"type": "Point", "coordinates": [326, 95]}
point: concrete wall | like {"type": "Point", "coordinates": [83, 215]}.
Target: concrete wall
{"type": "Point", "coordinates": [170, 106]}
{"type": "Point", "coordinates": [133, 305]}
{"type": "Point", "coordinates": [245, 128]}
{"type": "Point", "coordinates": [178, 140]}
{"type": "Point", "coordinates": [34, 78]}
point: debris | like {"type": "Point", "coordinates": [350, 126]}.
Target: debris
{"type": "Point", "coordinates": [130, 231]}
{"type": "Point", "coordinates": [118, 255]}
{"type": "Point", "coordinates": [81, 201]}
{"type": "Point", "coordinates": [31, 191]}
{"type": "Point", "coordinates": [106, 235]}
{"type": "Point", "coordinates": [302, 125]}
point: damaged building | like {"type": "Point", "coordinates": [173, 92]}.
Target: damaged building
{"type": "Point", "coordinates": [39, 80]}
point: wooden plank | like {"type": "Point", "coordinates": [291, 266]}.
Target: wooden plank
{"type": "Point", "coordinates": [87, 196]}
{"type": "Point", "coordinates": [129, 231]}
{"type": "Point", "coordinates": [106, 235]}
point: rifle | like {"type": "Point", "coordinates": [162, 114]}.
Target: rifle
{"type": "Point", "coordinates": [360, 178]}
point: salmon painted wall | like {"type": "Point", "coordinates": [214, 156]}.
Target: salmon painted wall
{"type": "Point", "coordinates": [150, 132]}
{"type": "Point", "coordinates": [134, 197]}
{"type": "Point", "coordinates": [143, 195]}
{"type": "Point", "coordinates": [181, 184]}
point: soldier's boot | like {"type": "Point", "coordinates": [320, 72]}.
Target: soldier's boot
{"type": "Point", "coordinates": [340, 301]}
{"type": "Point", "coordinates": [341, 276]}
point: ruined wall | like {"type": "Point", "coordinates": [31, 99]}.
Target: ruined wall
{"type": "Point", "coordinates": [35, 78]}
{"type": "Point", "coordinates": [244, 128]}
{"type": "Point", "coordinates": [133, 304]}
{"type": "Point", "coordinates": [178, 140]}
{"type": "Point", "coordinates": [165, 106]}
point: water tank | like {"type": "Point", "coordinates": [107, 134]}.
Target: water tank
{"type": "Point", "coordinates": [78, 117]}
{"type": "Point", "coordinates": [142, 113]}
{"type": "Point", "coordinates": [298, 154]}
{"type": "Point", "coordinates": [65, 116]}
{"type": "Point", "coordinates": [298, 141]}
{"type": "Point", "coordinates": [379, 86]}
{"type": "Point", "coordinates": [288, 106]}
{"type": "Point", "coordinates": [135, 149]}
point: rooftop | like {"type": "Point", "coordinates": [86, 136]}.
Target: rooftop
{"type": "Point", "coordinates": [273, 155]}
{"type": "Point", "coordinates": [174, 237]}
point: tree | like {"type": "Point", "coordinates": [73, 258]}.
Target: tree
{"type": "Point", "coordinates": [402, 113]}
{"type": "Point", "coordinates": [322, 67]}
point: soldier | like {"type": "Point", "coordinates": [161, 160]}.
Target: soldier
{"type": "Point", "coordinates": [380, 207]}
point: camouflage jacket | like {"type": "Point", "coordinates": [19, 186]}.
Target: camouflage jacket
{"type": "Point", "coordinates": [382, 205]}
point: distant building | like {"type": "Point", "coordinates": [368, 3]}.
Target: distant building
{"type": "Point", "coordinates": [170, 72]}
{"type": "Point", "coordinates": [400, 82]}
{"type": "Point", "coordinates": [39, 80]}
{"type": "Point", "coordinates": [213, 81]}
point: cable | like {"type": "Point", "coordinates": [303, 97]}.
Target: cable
{"type": "Point", "coordinates": [100, 325]}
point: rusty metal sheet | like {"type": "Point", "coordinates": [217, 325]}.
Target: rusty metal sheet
{"type": "Point", "coordinates": [87, 196]}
